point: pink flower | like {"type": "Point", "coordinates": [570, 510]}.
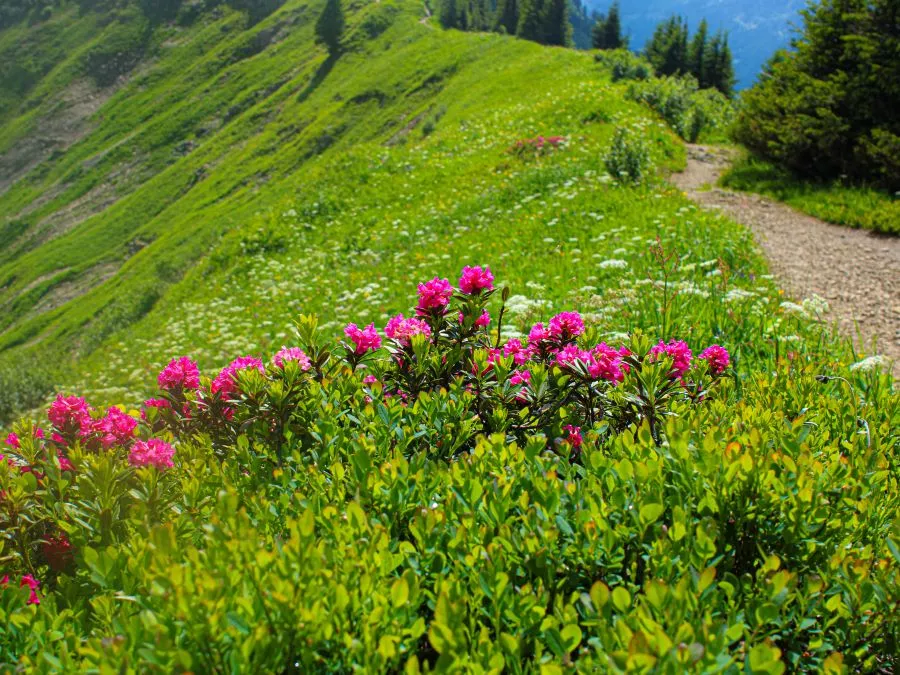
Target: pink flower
{"type": "Point", "coordinates": [605, 365]}
{"type": "Point", "coordinates": [574, 438]}
{"type": "Point", "coordinates": [718, 359]}
{"type": "Point", "coordinates": [39, 433]}
{"type": "Point", "coordinates": [520, 377]}
{"type": "Point", "coordinates": [226, 383]}
{"type": "Point", "coordinates": [402, 330]}
{"type": "Point", "coordinates": [365, 339]}
{"type": "Point", "coordinates": [117, 428]}
{"type": "Point", "coordinates": [157, 403]}
{"type": "Point", "coordinates": [33, 584]}
{"type": "Point", "coordinates": [69, 413]}
{"type": "Point", "coordinates": [538, 334]}
{"type": "Point", "coordinates": [181, 373]}
{"type": "Point", "coordinates": [566, 326]}
{"type": "Point", "coordinates": [370, 379]}
{"type": "Point", "coordinates": [65, 464]}
{"type": "Point", "coordinates": [517, 351]}
{"type": "Point", "coordinates": [434, 295]}
{"type": "Point", "coordinates": [680, 354]}
{"type": "Point", "coordinates": [484, 320]}
{"type": "Point", "coordinates": [476, 279]}
{"type": "Point", "coordinates": [152, 453]}
{"type": "Point", "coordinates": [13, 441]}
{"type": "Point", "coordinates": [570, 354]}
{"type": "Point", "coordinates": [292, 354]}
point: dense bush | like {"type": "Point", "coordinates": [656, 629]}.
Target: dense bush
{"type": "Point", "coordinates": [625, 65]}
{"type": "Point", "coordinates": [829, 108]}
{"type": "Point", "coordinates": [428, 499]}
{"type": "Point", "coordinates": [693, 113]}
{"type": "Point", "coordinates": [628, 158]}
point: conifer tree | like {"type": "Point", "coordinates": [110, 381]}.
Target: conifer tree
{"type": "Point", "coordinates": [507, 17]}
{"type": "Point", "coordinates": [719, 65]}
{"type": "Point", "coordinates": [613, 29]}
{"type": "Point", "coordinates": [448, 15]}
{"type": "Point", "coordinates": [697, 55]}
{"type": "Point", "coordinates": [531, 20]}
{"type": "Point", "coordinates": [557, 29]}
{"type": "Point", "coordinates": [330, 26]}
{"type": "Point", "coordinates": [667, 50]}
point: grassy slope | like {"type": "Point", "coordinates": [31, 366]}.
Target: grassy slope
{"type": "Point", "coordinates": [312, 185]}
{"type": "Point", "coordinates": [840, 204]}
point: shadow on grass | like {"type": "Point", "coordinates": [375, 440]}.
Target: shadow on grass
{"type": "Point", "coordinates": [319, 77]}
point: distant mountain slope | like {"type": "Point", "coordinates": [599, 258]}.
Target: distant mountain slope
{"type": "Point", "coordinates": [757, 28]}
{"type": "Point", "coordinates": [133, 150]}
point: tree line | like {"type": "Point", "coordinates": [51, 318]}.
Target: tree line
{"type": "Point", "coordinates": [672, 50]}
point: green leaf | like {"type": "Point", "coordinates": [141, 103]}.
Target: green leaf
{"type": "Point", "coordinates": [571, 636]}
{"type": "Point", "coordinates": [621, 599]}
{"type": "Point", "coordinates": [650, 512]}
{"type": "Point", "coordinates": [399, 592]}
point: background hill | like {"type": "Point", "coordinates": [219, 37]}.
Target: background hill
{"type": "Point", "coordinates": [143, 161]}
{"type": "Point", "coordinates": [756, 28]}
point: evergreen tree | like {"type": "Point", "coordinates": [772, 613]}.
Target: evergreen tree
{"type": "Point", "coordinates": [598, 33]}
{"type": "Point", "coordinates": [607, 32]}
{"type": "Point", "coordinates": [719, 65]}
{"type": "Point", "coordinates": [448, 14]}
{"type": "Point", "coordinates": [507, 17]}
{"type": "Point", "coordinates": [697, 55]}
{"type": "Point", "coordinates": [557, 29]}
{"type": "Point", "coordinates": [330, 26]}
{"type": "Point", "coordinates": [667, 50]}
{"type": "Point", "coordinates": [613, 28]}
{"type": "Point", "coordinates": [531, 20]}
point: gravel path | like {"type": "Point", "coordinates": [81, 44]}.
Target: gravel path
{"type": "Point", "coordinates": [856, 271]}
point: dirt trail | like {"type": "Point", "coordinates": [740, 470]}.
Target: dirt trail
{"type": "Point", "coordinates": [856, 271]}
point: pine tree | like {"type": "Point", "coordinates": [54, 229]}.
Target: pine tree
{"type": "Point", "coordinates": [448, 14]}
{"type": "Point", "coordinates": [330, 26]}
{"type": "Point", "coordinates": [507, 17]}
{"type": "Point", "coordinates": [531, 20]}
{"type": "Point", "coordinates": [613, 29]}
{"type": "Point", "coordinates": [598, 33]}
{"type": "Point", "coordinates": [719, 66]}
{"type": "Point", "coordinates": [697, 55]}
{"type": "Point", "coordinates": [667, 50]}
{"type": "Point", "coordinates": [557, 29]}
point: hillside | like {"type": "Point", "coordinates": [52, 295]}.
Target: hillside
{"type": "Point", "coordinates": [755, 29]}
{"type": "Point", "coordinates": [679, 468]}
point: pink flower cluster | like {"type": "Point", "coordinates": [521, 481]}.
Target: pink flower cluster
{"type": "Point", "coordinates": [538, 144]}
{"type": "Point", "coordinates": [403, 330]}
{"type": "Point", "coordinates": [602, 362]}
{"type": "Point", "coordinates": [181, 373]}
{"type": "Point", "coordinates": [476, 279]}
{"type": "Point", "coordinates": [296, 354]}
{"type": "Point", "coordinates": [116, 428]}
{"type": "Point", "coordinates": [679, 352]}
{"type": "Point", "coordinates": [69, 413]}
{"type": "Point", "coordinates": [717, 357]}
{"type": "Point", "coordinates": [574, 437]}
{"type": "Point", "coordinates": [30, 582]}
{"type": "Point", "coordinates": [365, 339]}
{"type": "Point", "coordinates": [226, 381]}
{"type": "Point", "coordinates": [566, 326]}
{"type": "Point", "coordinates": [434, 296]}
{"type": "Point", "coordinates": [151, 453]}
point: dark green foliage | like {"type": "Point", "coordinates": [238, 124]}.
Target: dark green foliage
{"type": "Point", "coordinates": [330, 26]}
{"type": "Point", "coordinates": [582, 21]}
{"type": "Point", "coordinates": [531, 20]}
{"type": "Point", "coordinates": [625, 65]}
{"type": "Point", "coordinates": [709, 61]}
{"type": "Point", "coordinates": [829, 108]}
{"type": "Point", "coordinates": [557, 29]}
{"type": "Point", "coordinates": [667, 50]}
{"type": "Point", "coordinates": [692, 113]}
{"type": "Point", "coordinates": [507, 17]}
{"type": "Point", "coordinates": [607, 31]}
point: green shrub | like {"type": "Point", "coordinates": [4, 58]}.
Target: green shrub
{"type": "Point", "coordinates": [625, 65]}
{"type": "Point", "coordinates": [628, 158]}
{"type": "Point", "coordinates": [828, 109]}
{"type": "Point", "coordinates": [693, 113]}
